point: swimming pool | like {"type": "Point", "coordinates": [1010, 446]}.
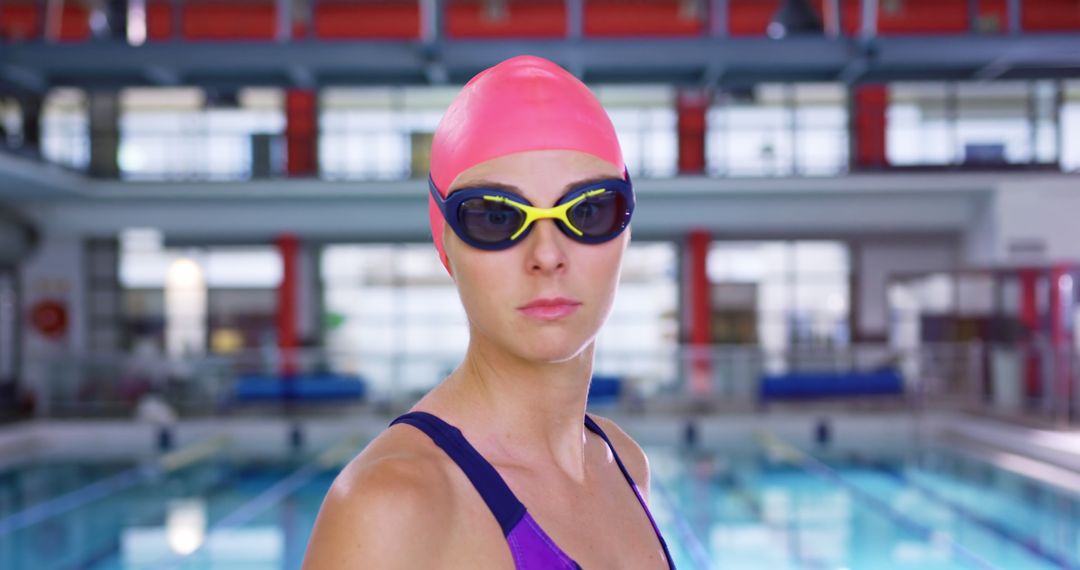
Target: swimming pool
{"type": "Point", "coordinates": [765, 506]}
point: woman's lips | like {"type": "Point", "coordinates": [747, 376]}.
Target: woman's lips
{"type": "Point", "coordinates": [549, 309]}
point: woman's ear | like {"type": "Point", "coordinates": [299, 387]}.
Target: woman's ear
{"type": "Point", "coordinates": [446, 231]}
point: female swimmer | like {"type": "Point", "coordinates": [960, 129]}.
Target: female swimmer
{"type": "Point", "coordinates": [499, 466]}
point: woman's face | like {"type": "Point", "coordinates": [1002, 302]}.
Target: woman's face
{"type": "Point", "coordinates": [494, 285]}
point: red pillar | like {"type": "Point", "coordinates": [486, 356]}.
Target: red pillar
{"type": "Point", "coordinates": [692, 106]}
{"type": "Point", "coordinates": [1029, 318]}
{"type": "Point", "coordinates": [869, 104]}
{"type": "Point", "coordinates": [301, 132]}
{"type": "Point", "coordinates": [699, 315]}
{"type": "Point", "coordinates": [289, 249]}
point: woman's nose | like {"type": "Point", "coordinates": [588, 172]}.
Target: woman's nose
{"type": "Point", "coordinates": [545, 247]}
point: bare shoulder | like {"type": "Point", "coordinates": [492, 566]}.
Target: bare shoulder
{"type": "Point", "coordinates": [388, 508]}
{"type": "Point", "coordinates": [633, 457]}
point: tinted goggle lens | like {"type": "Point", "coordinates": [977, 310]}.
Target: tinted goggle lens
{"type": "Point", "coordinates": [599, 215]}
{"type": "Point", "coordinates": [487, 221]}
{"type": "Point", "coordinates": [492, 222]}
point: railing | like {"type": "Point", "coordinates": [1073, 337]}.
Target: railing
{"type": "Point", "coordinates": [1030, 381]}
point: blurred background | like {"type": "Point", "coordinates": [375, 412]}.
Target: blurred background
{"type": "Point", "coordinates": [845, 331]}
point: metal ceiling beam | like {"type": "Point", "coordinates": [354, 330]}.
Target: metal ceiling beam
{"type": "Point", "coordinates": [668, 60]}
{"type": "Point", "coordinates": [396, 210]}
{"type": "Point", "coordinates": [22, 177]}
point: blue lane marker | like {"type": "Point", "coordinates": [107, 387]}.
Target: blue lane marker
{"type": "Point", "coordinates": [102, 488]}
{"type": "Point", "coordinates": [739, 488]}
{"type": "Point", "coordinates": [1028, 543]}
{"type": "Point", "coordinates": [813, 465]}
{"type": "Point", "coordinates": [72, 500]}
{"type": "Point", "coordinates": [251, 509]}
{"type": "Point", "coordinates": [247, 512]}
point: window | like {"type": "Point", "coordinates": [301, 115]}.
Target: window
{"type": "Point", "coordinates": [385, 134]}
{"type": "Point", "coordinates": [918, 130]}
{"type": "Point", "coordinates": [65, 129]}
{"type": "Point", "coordinates": [992, 123]}
{"type": "Point", "coordinates": [798, 291]}
{"type": "Point", "coordinates": [237, 304]}
{"type": "Point", "coordinates": [378, 133]}
{"type": "Point", "coordinates": [779, 130]}
{"type": "Point", "coordinates": [1001, 122]}
{"type": "Point", "coordinates": [1070, 129]}
{"type": "Point", "coordinates": [640, 339]}
{"type": "Point", "coordinates": [392, 315]}
{"type": "Point", "coordinates": [645, 122]}
{"type": "Point", "coordinates": [174, 135]}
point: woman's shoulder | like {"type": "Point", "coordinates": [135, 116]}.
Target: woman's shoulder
{"type": "Point", "coordinates": [631, 454]}
{"type": "Point", "coordinates": [393, 491]}
{"type": "Point", "coordinates": [397, 460]}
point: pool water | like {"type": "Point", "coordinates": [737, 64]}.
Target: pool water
{"type": "Point", "coordinates": [923, 508]}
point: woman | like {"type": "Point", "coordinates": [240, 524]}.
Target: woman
{"type": "Point", "coordinates": [447, 485]}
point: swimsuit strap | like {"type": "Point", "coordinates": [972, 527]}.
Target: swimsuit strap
{"type": "Point", "coordinates": [591, 424]}
{"type": "Point", "coordinates": [506, 507]}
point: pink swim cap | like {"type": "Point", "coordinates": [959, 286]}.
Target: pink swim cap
{"type": "Point", "coordinates": [523, 103]}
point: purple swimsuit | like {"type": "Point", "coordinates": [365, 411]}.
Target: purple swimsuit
{"type": "Point", "coordinates": [530, 546]}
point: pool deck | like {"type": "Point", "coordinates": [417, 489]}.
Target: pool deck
{"type": "Point", "coordinates": [1051, 456]}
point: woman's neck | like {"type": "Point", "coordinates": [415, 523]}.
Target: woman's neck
{"type": "Point", "coordinates": [526, 412]}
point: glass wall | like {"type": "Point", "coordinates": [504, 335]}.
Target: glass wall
{"type": "Point", "coordinates": [393, 315]}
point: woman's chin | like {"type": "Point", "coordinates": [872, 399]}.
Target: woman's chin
{"type": "Point", "coordinates": [553, 351]}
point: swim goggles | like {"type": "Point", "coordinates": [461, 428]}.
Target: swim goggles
{"type": "Point", "coordinates": [494, 219]}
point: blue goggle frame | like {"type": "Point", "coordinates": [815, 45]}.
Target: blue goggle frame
{"type": "Point", "coordinates": [450, 207]}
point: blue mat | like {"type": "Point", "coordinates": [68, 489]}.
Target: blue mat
{"type": "Point", "coordinates": [811, 385]}
{"type": "Point", "coordinates": [306, 387]}
{"type": "Point", "coordinates": [604, 390]}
